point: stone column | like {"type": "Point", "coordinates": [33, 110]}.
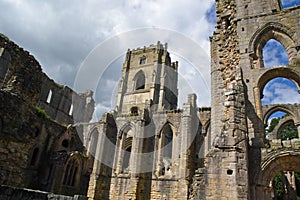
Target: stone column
{"type": "Point", "coordinates": [260, 122]}
{"type": "Point", "coordinates": [95, 190]}
{"type": "Point", "coordinates": [257, 100]}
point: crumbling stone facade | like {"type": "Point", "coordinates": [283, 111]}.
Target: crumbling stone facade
{"type": "Point", "coordinates": [39, 149]}
{"type": "Point", "coordinates": [147, 148]}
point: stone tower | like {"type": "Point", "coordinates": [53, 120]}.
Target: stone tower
{"type": "Point", "coordinates": [154, 143]}
{"type": "Point", "coordinates": [148, 79]}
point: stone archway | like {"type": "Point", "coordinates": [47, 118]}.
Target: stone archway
{"type": "Point", "coordinates": [273, 163]}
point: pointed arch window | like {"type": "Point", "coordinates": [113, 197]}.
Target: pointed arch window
{"type": "Point", "coordinates": [139, 80]}
{"type": "Point", "coordinates": [167, 142]}
{"type": "Point", "coordinates": [70, 175]}
{"type": "Point", "coordinates": [143, 60]}
{"type": "Point", "coordinates": [274, 54]}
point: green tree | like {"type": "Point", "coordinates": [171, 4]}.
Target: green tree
{"type": "Point", "coordinates": [272, 125]}
{"type": "Point", "coordinates": [289, 132]}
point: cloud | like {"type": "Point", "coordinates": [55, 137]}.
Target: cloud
{"type": "Point", "coordinates": [274, 54]}
{"type": "Point", "coordinates": [280, 91]}
{"type": "Point", "coordinates": [61, 34]}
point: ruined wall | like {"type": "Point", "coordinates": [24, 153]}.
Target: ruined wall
{"type": "Point", "coordinates": [37, 149]}
{"type": "Point", "coordinates": [63, 104]}
{"type": "Point", "coordinates": [238, 78]}
{"type": "Point", "coordinates": [257, 23]}
{"type": "Point", "coordinates": [20, 72]}
{"type": "Point", "coordinates": [227, 164]}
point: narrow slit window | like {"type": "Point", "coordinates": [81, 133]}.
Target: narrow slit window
{"type": "Point", "coordinates": [49, 96]}
{"type": "Point", "coordinates": [71, 110]}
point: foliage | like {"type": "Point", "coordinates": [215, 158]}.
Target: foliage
{"type": "Point", "coordinates": [278, 186]}
{"type": "Point", "coordinates": [272, 125]}
{"type": "Point", "coordinates": [288, 132]}
{"type": "Point", "coordinates": [42, 113]}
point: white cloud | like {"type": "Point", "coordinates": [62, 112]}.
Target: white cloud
{"type": "Point", "coordinates": [60, 34]}
{"type": "Point", "coordinates": [280, 91]}
{"type": "Point", "coordinates": [274, 54]}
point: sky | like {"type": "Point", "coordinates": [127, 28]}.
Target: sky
{"type": "Point", "coordinates": [65, 36]}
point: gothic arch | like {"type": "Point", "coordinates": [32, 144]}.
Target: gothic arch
{"type": "Point", "coordinates": [284, 160]}
{"type": "Point", "coordinates": [275, 108]}
{"type": "Point", "coordinates": [139, 80]}
{"type": "Point", "coordinates": [93, 140]}
{"type": "Point", "coordinates": [126, 128]}
{"type": "Point", "coordinates": [34, 157]}
{"type": "Point", "coordinates": [167, 123]}
{"type": "Point", "coordinates": [284, 122]}
{"type": "Point", "coordinates": [72, 170]}
{"type": "Point", "coordinates": [279, 72]}
{"type": "Point", "coordinates": [271, 30]}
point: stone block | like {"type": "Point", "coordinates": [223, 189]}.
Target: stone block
{"type": "Point", "coordinates": [295, 143]}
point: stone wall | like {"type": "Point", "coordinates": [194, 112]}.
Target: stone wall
{"type": "Point", "coordinates": [37, 149]}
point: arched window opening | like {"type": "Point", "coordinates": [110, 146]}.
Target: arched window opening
{"type": "Point", "coordinates": [34, 157]}
{"type": "Point", "coordinates": [93, 143]}
{"type": "Point", "coordinates": [49, 97]}
{"type": "Point", "coordinates": [278, 128]}
{"type": "Point", "coordinates": [143, 60]}
{"type": "Point", "coordinates": [167, 142]}
{"type": "Point", "coordinates": [286, 185]}
{"type": "Point", "coordinates": [70, 175]}
{"type": "Point", "coordinates": [289, 3]}
{"type": "Point", "coordinates": [134, 111]}
{"type": "Point", "coordinates": [140, 81]}
{"type": "Point", "coordinates": [274, 54]}
{"type": "Point", "coordinates": [280, 91]}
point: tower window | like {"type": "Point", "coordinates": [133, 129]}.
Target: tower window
{"type": "Point", "coordinates": [140, 80]}
{"type": "Point", "coordinates": [134, 111]}
{"type": "Point", "coordinates": [143, 60]}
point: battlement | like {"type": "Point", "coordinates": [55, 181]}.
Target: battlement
{"type": "Point", "coordinates": [156, 47]}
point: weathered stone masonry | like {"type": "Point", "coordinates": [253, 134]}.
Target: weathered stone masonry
{"type": "Point", "coordinates": [147, 148]}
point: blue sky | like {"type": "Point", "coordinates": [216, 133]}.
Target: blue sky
{"type": "Point", "coordinates": [61, 35]}
{"type": "Point", "coordinates": [290, 3]}
{"type": "Point", "coordinates": [278, 90]}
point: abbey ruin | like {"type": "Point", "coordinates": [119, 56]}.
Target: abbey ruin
{"type": "Point", "coordinates": [148, 147]}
